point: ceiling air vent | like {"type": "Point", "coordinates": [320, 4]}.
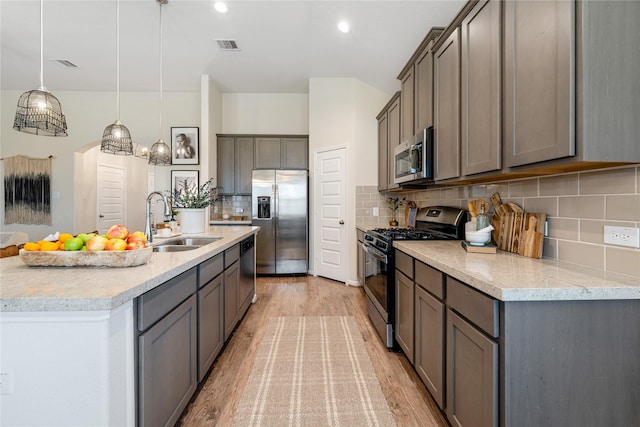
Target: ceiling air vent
{"type": "Point", "coordinates": [227, 45]}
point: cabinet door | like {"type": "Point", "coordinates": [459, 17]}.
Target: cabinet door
{"type": "Point", "coordinates": [294, 153]}
{"type": "Point", "coordinates": [429, 343]}
{"type": "Point", "coordinates": [210, 321]}
{"type": "Point", "coordinates": [404, 314]}
{"type": "Point", "coordinates": [480, 89]}
{"type": "Point", "coordinates": [167, 360]}
{"type": "Point", "coordinates": [472, 375]}
{"type": "Point", "coordinates": [383, 152]}
{"type": "Point", "coordinates": [447, 108]}
{"type": "Point", "coordinates": [394, 139]}
{"type": "Point", "coordinates": [407, 101]}
{"type": "Point", "coordinates": [539, 59]}
{"type": "Point", "coordinates": [231, 278]}
{"type": "Point", "coordinates": [424, 90]}
{"type": "Point", "coordinates": [267, 153]}
{"type": "Point", "coordinates": [226, 165]}
{"type": "Point", "coordinates": [244, 164]}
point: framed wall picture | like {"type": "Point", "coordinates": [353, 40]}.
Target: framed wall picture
{"type": "Point", "coordinates": [178, 179]}
{"type": "Point", "coordinates": [185, 146]}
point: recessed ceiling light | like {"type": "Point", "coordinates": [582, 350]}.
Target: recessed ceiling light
{"type": "Point", "coordinates": [343, 26]}
{"type": "Point", "coordinates": [220, 7]}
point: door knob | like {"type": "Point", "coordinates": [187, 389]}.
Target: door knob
{"type": "Point", "coordinates": [100, 216]}
{"type": "Point", "coordinates": [341, 222]}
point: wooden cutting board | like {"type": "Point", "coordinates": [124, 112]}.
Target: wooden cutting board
{"type": "Point", "coordinates": [517, 231]}
{"type": "Point", "coordinates": [533, 240]}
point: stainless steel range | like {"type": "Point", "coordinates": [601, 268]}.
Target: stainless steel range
{"type": "Point", "coordinates": [432, 223]}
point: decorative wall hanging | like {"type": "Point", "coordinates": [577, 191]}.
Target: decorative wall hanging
{"type": "Point", "coordinates": [27, 190]}
{"type": "Point", "coordinates": [185, 146]}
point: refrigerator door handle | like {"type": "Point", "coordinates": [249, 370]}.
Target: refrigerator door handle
{"type": "Point", "coordinates": [275, 203]}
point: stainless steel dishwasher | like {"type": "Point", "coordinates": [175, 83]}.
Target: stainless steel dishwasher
{"type": "Point", "coordinates": [246, 289]}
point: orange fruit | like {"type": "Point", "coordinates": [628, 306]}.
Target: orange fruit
{"type": "Point", "coordinates": [64, 237]}
{"type": "Point", "coordinates": [49, 246]}
{"type": "Point", "coordinates": [31, 246]}
{"type": "Point", "coordinates": [60, 245]}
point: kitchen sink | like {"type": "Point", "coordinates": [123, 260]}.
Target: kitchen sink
{"type": "Point", "coordinates": [175, 248]}
{"type": "Point", "coordinates": [191, 241]}
{"type": "Point", "coordinates": [182, 244]}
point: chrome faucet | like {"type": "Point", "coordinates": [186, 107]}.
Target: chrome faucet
{"type": "Point", "coordinates": [167, 213]}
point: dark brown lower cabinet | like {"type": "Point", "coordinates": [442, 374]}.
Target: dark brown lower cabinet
{"type": "Point", "coordinates": [429, 342]}
{"type": "Point", "coordinates": [211, 332]}
{"type": "Point", "coordinates": [231, 277]}
{"type": "Point", "coordinates": [472, 375]}
{"type": "Point", "coordinates": [167, 354]}
{"type": "Point", "coordinates": [404, 321]}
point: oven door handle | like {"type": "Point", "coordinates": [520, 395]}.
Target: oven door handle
{"type": "Point", "coordinates": [374, 252]}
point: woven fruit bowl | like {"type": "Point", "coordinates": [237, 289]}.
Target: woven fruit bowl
{"type": "Point", "coordinates": [86, 258]}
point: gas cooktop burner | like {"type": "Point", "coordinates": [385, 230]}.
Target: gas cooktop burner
{"type": "Point", "coordinates": [405, 233]}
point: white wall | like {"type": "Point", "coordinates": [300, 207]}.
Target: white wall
{"type": "Point", "coordinates": [265, 113]}
{"type": "Point", "coordinates": [88, 113]}
{"type": "Point", "coordinates": [342, 112]}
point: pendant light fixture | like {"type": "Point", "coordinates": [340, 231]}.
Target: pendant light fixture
{"type": "Point", "coordinates": [160, 153]}
{"type": "Point", "coordinates": [116, 138]}
{"type": "Point", "coordinates": [38, 111]}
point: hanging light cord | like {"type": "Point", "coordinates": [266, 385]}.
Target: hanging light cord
{"type": "Point", "coordinates": [41, 45]}
{"type": "Point", "coordinates": [160, 70]}
{"type": "Point", "coordinates": [118, 60]}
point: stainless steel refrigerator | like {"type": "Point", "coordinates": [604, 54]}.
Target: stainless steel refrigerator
{"type": "Point", "coordinates": [280, 209]}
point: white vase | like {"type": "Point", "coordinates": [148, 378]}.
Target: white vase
{"type": "Point", "coordinates": [192, 220]}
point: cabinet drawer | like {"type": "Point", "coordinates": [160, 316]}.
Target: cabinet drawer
{"type": "Point", "coordinates": [430, 279]}
{"type": "Point", "coordinates": [404, 263]}
{"type": "Point", "coordinates": [231, 255]}
{"type": "Point", "coordinates": [210, 268]}
{"type": "Point", "coordinates": [159, 301]}
{"type": "Point", "coordinates": [474, 305]}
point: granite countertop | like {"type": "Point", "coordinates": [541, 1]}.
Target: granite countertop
{"type": "Point", "coordinates": [510, 277]}
{"type": "Point", "coordinates": [29, 289]}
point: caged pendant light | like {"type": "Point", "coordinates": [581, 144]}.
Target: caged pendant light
{"type": "Point", "coordinates": [160, 153]}
{"type": "Point", "coordinates": [38, 111]}
{"type": "Point", "coordinates": [116, 138]}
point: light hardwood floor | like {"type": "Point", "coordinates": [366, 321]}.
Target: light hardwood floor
{"type": "Point", "coordinates": [218, 398]}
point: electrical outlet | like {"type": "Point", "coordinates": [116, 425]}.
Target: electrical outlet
{"type": "Point", "coordinates": [622, 236]}
{"type": "Point", "coordinates": [6, 383]}
{"type": "Point", "coordinates": [376, 211]}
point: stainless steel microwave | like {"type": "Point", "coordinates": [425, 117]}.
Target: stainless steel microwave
{"type": "Point", "coordinates": [413, 159]}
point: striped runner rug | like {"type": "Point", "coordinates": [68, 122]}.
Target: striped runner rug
{"type": "Point", "coordinates": [312, 371]}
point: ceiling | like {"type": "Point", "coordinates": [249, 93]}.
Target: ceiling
{"type": "Point", "coordinates": [281, 43]}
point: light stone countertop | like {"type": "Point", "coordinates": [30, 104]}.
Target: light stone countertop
{"type": "Point", "coordinates": [29, 289]}
{"type": "Point", "coordinates": [510, 277]}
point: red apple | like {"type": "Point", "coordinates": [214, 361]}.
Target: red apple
{"type": "Point", "coordinates": [96, 243]}
{"type": "Point", "coordinates": [136, 244]}
{"type": "Point", "coordinates": [115, 245]}
{"type": "Point", "coordinates": [137, 236]}
{"type": "Point", "coordinates": [117, 231]}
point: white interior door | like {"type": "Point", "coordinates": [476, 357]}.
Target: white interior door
{"type": "Point", "coordinates": [331, 248]}
{"type": "Point", "coordinates": [111, 197]}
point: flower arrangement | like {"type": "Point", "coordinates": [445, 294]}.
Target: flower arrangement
{"type": "Point", "coordinates": [394, 203]}
{"type": "Point", "coordinates": [190, 196]}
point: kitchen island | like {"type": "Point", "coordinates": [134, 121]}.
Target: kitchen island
{"type": "Point", "coordinates": [68, 335]}
{"type": "Point", "coordinates": [502, 339]}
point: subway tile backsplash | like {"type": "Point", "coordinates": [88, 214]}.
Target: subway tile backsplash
{"type": "Point", "coordinates": [578, 206]}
